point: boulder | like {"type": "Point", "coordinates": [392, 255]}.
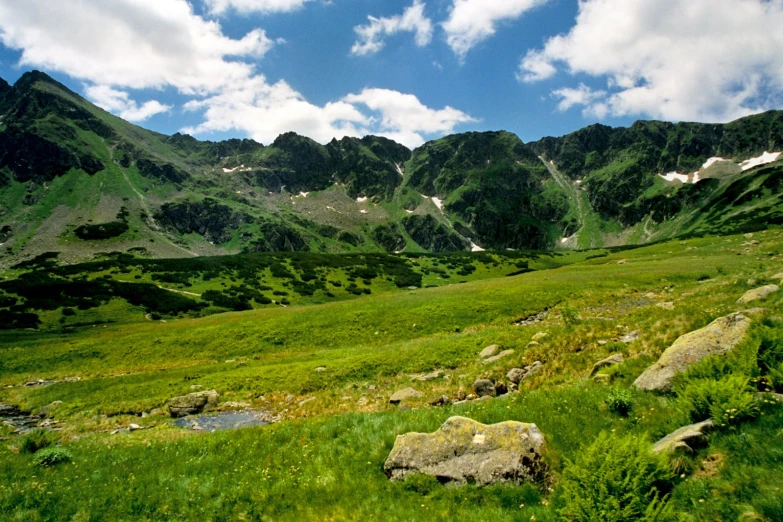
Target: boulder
{"type": "Point", "coordinates": [719, 337]}
{"type": "Point", "coordinates": [612, 360]}
{"type": "Point", "coordinates": [758, 293]}
{"type": "Point", "coordinates": [192, 403]}
{"type": "Point", "coordinates": [515, 375]}
{"type": "Point", "coordinates": [464, 451]}
{"type": "Point", "coordinates": [443, 400]}
{"type": "Point", "coordinates": [533, 369]}
{"type": "Point", "coordinates": [404, 395]}
{"type": "Point", "coordinates": [484, 387]}
{"type": "Point", "coordinates": [504, 353]}
{"type": "Point", "coordinates": [684, 438]}
{"type": "Point", "coordinates": [489, 351]}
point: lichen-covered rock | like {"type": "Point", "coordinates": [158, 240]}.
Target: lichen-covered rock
{"type": "Point", "coordinates": [684, 438]}
{"type": "Point", "coordinates": [758, 293]}
{"type": "Point", "coordinates": [484, 387]}
{"type": "Point", "coordinates": [404, 395]}
{"type": "Point", "coordinates": [464, 451]}
{"type": "Point", "coordinates": [719, 337]}
{"type": "Point", "coordinates": [516, 375]}
{"type": "Point", "coordinates": [612, 360]}
{"type": "Point", "coordinates": [489, 351]}
{"type": "Point", "coordinates": [192, 403]}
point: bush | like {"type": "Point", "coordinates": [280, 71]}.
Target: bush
{"type": "Point", "coordinates": [616, 479]}
{"type": "Point", "coordinates": [37, 440]}
{"type": "Point", "coordinates": [569, 315]}
{"type": "Point", "coordinates": [620, 401]}
{"type": "Point", "coordinates": [52, 457]}
{"type": "Point", "coordinates": [728, 401]}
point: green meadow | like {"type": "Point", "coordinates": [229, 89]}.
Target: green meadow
{"type": "Point", "coordinates": [324, 459]}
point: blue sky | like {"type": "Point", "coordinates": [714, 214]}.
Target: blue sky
{"type": "Point", "coordinates": [417, 70]}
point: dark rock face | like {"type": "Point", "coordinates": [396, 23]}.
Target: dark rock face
{"type": "Point", "coordinates": [368, 167]}
{"type": "Point", "coordinates": [301, 164]}
{"type": "Point", "coordinates": [31, 157]}
{"type": "Point", "coordinates": [208, 218]}
{"type": "Point", "coordinates": [278, 237]}
{"type": "Point", "coordinates": [431, 234]}
{"type": "Point", "coordinates": [389, 237]}
{"type": "Point", "coordinates": [350, 238]}
{"type": "Point", "coordinates": [162, 171]}
{"type": "Point", "coordinates": [6, 233]}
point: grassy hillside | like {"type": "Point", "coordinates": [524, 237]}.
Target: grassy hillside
{"type": "Point", "coordinates": [324, 459]}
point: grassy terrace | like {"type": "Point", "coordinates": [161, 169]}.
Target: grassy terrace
{"type": "Point", "coordinates": [324, 459]}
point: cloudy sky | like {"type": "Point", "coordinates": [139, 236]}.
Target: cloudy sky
{"type": "Point", "coordinates": [412, 70]}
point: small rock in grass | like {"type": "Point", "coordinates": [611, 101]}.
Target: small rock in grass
{"type": "Point", "coordinates": [484, 387]}
{"type": "Point", "coordinates": [540, 336]}
{"type": "Point", "coordinates": [404, 395]}
{"type": "Point", "coordinates": [684, 438]}
{"type": "Point", "coordinates": [504, 353]}
{"type": "Point", "coordinates": [306, 401]}
{"type": "Point", "coordinates": [489, 351]}
{"type": "Point", "coordinates": [437, 374]}
{"type": "Point", "coordinates": [515, 375]}
{"type": "Point", "coordinates": [622, 262]}
{"type": "Point", "coordinates": [441, 401]}
{"type": "Point", "coordinates": [533, 344]}
{"type": "Point", "coordinates": [666, 306]}
{"type": "Point", "coordinates": [609, 361]}
{"type": "Point", "coordinates": [134, 427]}
{"type": "Point", "coordinates": [321, 369]}
{"type": "Point", "coordinates": [758, 293]}
{"type": "Point", "coordinates": [631, 337]}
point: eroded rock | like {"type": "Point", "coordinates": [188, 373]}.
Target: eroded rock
{"type": "Point", "coordinates": [719, 337]}
{"type": "Point", "coordinates": [684, 439]}
{"type": "Point", "coordinates": [464, 451]}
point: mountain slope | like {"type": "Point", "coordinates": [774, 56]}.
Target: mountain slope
{"type": "Point", "coordinates": [79, 181]}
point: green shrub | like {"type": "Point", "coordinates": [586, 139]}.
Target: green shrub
{"type": "Point", "coordinates": [37, 440]}
{"type": "Point", "coordinates": [728, 401]}
{"type": "Point", "coordinates": [570, 316]}
{"type": "Point", "coordinates": [616, 479]}
{"type": "Point", "coordinates": [620, 401]}
{"type": "Point", "coordinates": [52, 457]}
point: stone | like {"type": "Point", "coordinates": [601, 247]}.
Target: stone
{"type": "Point", "coordinates": [612, 360]}
{"type": "Point", "coordinates": [622, 262]}
{"type": "Point", "coordinates": [540, 336]}
{"type": "Point", "coordinates": [489, 351]}
{"type": "Point", "coordinates": [464, 451]}
{"type": "Point", "coordinates": [461, 395]}
{"type": "Point", "coordinates": [233, 406]}
{"type": "Point", "coordinates": [483, 387]}
{"type": "Point", "coordinates": [306, 401]}
{"type": "Point", "coordinates": [9, 410]}
{"type": "Point", "coordinates": [631, 337]}
{"type": "Point", "coordinates": [515, 375]}
{"type": "Point", "coordinates": [684, 439]}
{"type": "Point", "coordinates": [196, 387]}
{"type": "Point", "coordinates": [504, 353]}
{"type": "Point", "coordinates": [758, 293]}
{"type": "Point", "coordinates": [321, 369]}
{"type": "Point", "coordinates": [719, 337]}
{"type": "Point", "coordinates": [441, 401]}
{"type": "Point", "coordinates": [134, 427]}
{"type": "Point", "coordinates": [777, 276]}
{"type": "Point", "coordinates": [192, 403]}
{"type": "Point", "coordinates": [404, 395]}
{"type": "Point", "coordinates": [666, 306]}
{"type": "Point", "coordinates": [532, 370]}
{"type": "Point", "coordinates": [532, 344]}
{"type": "Point", "coordinates": [437, 374]}
{"type": "Point", "coordinates": [602, 343]}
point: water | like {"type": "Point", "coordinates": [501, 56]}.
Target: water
{"type": "Point", "coordinates": [232, 420]}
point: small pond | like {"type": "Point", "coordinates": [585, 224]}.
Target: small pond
{"type": "Point", "coordinates": [230, 420]}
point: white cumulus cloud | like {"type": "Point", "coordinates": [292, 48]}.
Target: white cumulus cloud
{"type": "Point", "coordinates": [258, 6]}
{"type": "Point", "coordinates": [471, 22]}
{"type": "Point", "coordinates": [697, 60]}
{"type": "Point", "coordinates": [129, 43]}
{"type": "Point", "coordinates": [371, 36]}
{"type": "Point", "coordinates": [120, 103]}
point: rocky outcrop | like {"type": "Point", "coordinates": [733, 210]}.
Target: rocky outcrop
{"type": "Point", "coordinates": [433, 235]}
{"type": "Point", "coordinates": [192, 403]}
{"type": "Point", "coordinates": [517, 375]}
{"type": "Point", "coordinates": [389, 237]}
{"type": "Point", "coordinates": [208, 218]}
{"type": "Point", "coordinates": [464, 451]}
{"type": "Point", "coordinates": [757, 294]}
{"type": "Point", "coordinates": [684, 439]}
{"type": "Point", "coordinates": [612, 360]}
{"type": "Point", "coordinates": [719, 337]}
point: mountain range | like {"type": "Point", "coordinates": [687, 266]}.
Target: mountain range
{"type": "Point", "coordinates": [77, 180]}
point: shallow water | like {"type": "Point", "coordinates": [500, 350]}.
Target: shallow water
{"type": "Point", "coordinates": [231, 420]}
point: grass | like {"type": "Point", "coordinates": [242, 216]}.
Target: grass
{"type": "Point", "coordinates": [325, 459]}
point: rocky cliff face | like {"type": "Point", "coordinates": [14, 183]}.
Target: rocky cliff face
{"type": "Point", "coordinates": [208, 218]}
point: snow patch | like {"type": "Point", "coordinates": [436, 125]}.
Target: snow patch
{"type": "Point", "coordinates": [767, 157]}
{"type": "Point", "coordinates": [409, 211]}
{"type": "Point", "coordinates": [564, 240]}
{"type": "Point", "coordinates": [229, 171]}
{"type": "Point", "coordinates": [672, 176]}
{"type": "Point", "coordinates": [438, 202]}
{"type": "Point", "coordinates": [399, 169]}
{"type": "Point", "coordinates": [696, 178]}
{"type": "Point", "coordinates": [475, 248]}
{"type": "Point", "coordinates": [304, 194]}
{"type": "Point", "coordinates": [361, 200]}
{"type": "Point", "coordinates": [364, 211]}
{"type": "Point", "coordinates": [712, 161]}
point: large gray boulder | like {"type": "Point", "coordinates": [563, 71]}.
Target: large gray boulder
{"type": "Point", "coordinates": [758, 293]}
{"type": "Point", "coordinates": [464, 451]}
{"type": "Point", "coordinates": [719, 337]}
{"type": "Point", "coordinates": [192, 403]}
{"type": "Point", "coordinates": [684, 438]}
